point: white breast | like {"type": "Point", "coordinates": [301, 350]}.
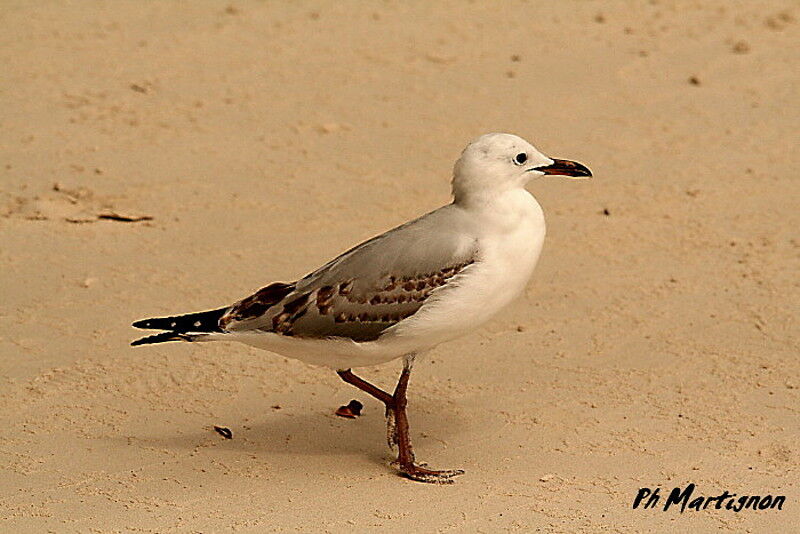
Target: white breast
{"type": "Point", "coordinates": [510, 240]}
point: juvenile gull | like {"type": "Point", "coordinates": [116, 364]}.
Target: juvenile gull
{"type": "Point", "coordinates": [403, 292]}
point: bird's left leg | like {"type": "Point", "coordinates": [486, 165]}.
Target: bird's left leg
{"type": "Point", "coordinates": [398, 434]}
{"type": "Point", "coordinates": [405, 458]}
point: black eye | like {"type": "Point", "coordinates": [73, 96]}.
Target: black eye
{"type": "Point", "coordinates": [521, 158]}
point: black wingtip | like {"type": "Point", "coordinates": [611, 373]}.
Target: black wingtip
{"type": "Point", "coordinates": [206, 321]}
{"type": "Point", "coordinates": [144, 324]}
{"type": "Point", "coordinates": [163, 337]}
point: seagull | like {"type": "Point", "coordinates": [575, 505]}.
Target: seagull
{"type": "Point", "coordinates": [401, 293]}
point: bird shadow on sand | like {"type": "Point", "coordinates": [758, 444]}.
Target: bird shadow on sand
{"type": "Point", "coordinates": [304, 434]}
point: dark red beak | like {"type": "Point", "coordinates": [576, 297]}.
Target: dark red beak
{"type": "Point", "coordinates": [564, 167]}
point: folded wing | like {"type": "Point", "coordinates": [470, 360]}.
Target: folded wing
{"type": "Point", "coordinates": [368, 288]}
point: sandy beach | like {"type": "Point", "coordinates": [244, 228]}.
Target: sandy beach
{"type": "Point", "coordinates": [165, 157]}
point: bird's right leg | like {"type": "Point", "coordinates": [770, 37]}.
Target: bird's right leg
{"type": "Point", "coordinates": [397, 426]}
{"type": "Point", "coordinates": [386, 398]}
{"type": "Point", "coordinates": [348, 376]}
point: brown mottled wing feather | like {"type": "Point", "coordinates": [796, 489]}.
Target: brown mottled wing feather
{"type": "Point", "coordinates": [252, 309]}
{"type": "Point", "coordinates": [341, 311]}
{"type": "Point", "coordinates": [368, 288]}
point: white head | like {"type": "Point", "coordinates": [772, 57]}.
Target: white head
{"type": "Point", "coordinates": [497, 162]}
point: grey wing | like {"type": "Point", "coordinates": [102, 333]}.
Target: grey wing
{"type": "Point", "coordinates": [368, 288]}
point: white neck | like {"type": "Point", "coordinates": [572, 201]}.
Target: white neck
{"type": "Point", "coordinates": [505, 210]}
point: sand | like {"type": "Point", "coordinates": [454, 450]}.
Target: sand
{"type": "Point", "coordinates": [249, 142]}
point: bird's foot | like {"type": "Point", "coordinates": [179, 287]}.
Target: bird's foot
{"type": "Point", "coordinates": [419, 473]}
